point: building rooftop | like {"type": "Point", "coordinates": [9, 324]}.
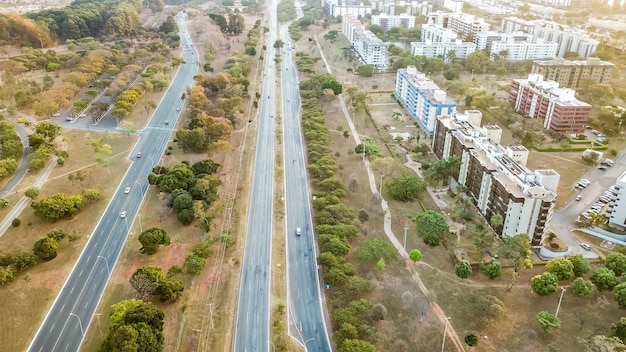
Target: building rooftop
{"type": "Point", "coordinates": [564, 96]}
{"type": "Point", "coordinates": [563, 62]}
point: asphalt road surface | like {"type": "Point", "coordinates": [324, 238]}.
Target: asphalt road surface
{"type": "Point", "coordinates": [305, 305]}
{"type": "Point", "coordinates": [68, 319]}
{"type": "Point", "coordinates": [22, 168]}
{"type": "Point", "coordinates": [253, 315]}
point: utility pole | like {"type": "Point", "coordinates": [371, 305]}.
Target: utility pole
{"type": "Point", "coordinates": [406, 228]}
{"type": "Point", "coordinates": [560, 299]}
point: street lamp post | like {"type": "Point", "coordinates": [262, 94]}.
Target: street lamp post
{"type": "Point", "coordinates": [445, 330]}
{"type": "Point", "coordinates": [80, 324]}
{"type": "Point", "coordinates": [406, 228]}
{"type": "Point", "coordinates": [380, 188]}
{"type": "Point", "coordinates": [560, 299]}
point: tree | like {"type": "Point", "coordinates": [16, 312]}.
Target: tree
{"type": "Point", "coordinates": [471, 340]}
{"type": "Point", "coordinates": [46, 248]}
{"type": "Point", "coordinates": [32, 192]}
{"type": "Point", "coordinates": [600, 343]}
{"type": "Point", "coordinates": [150, 240]}
{"type": "Point", "coordinates": [91, 194]}
{"type": "Point", "coordinates": [431, 226]}
{"type": "Point", "coordinates": [146, 281]}
{"type": "Point", "coordinates": [415, 255]}
{"type": "Point", "coordinates": [355, 345]}
{"type": "Point", "coordinates": [463, 269]}
{"type": "Point", "coordinates": [561, 267]}
{"type": "Point", "coordinates": [135, 326]}
{"type": "Point", "coordinates": [492, 270]}
{"type": "Point", "coordinates": [616, 262]}
{"type": "Point", "coordinates": [580, 265]}
{"type": "Point", "coordinates": [581, 288]}
{"type": "Point", "coordinates": [517, 248]}
{"type": "Point", "coordinates": [170, 290]}
{"type": "Point", "coordinates": [548, 321]}
{"type": "Point", "coordinates": [376, 248]}
{"type": "Point", "coordinates": [620, 295]}
{"type": "Point", "coordinates": [441, 170]}
{"type": "Point", "coordinates": [57, 206]}
{"type": "Point", "coordinates": [604, 279]}
{"type": "Point", "coordinates": [365, 70]}
{"type": "Point", "coordinates": [619, 329]}
{"type": "Point", "coordinates": [406, 189]}
{"type": "Point", "coordinates": [496, 220]}
{"type": "Point", "coordinates": [544, 284]}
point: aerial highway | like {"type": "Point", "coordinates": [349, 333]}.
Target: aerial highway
{"type": "Point", "coordinates": [67, 321]}
{"type": "Point", "coordinates": [307, 322]}
{"type": "Point", "coordinates": [253, 313]}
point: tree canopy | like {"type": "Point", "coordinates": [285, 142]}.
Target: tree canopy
{"type": "Point", "coordinates": [135, 326]}
{"type": "Point", "coordinates": [431, 226]}
{"type": "Point", "coordinates": [406, 189]}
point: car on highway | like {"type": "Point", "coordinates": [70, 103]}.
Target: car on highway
{"type": "Point", "coordinates": [139, 154]}
{"type": "Point", "coordinates": [578, 197]}
{"type": "Point", "coordinates": [603, 168]}
{"type": "Point", "coordinates": [177, 109]}
{"type": "Point", "coordinates": [167, 122]}
{"type": "Point", "coordinates": [585, 246]}
{"type": "Point", "coordinates": [126, 190]}
{"type": "Point", "coordinates": [123, 214]}
{"type": "Point", "coordinates": [298, 231]}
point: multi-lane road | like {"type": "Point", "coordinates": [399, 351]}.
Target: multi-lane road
{"type": "Point", "coordinates": [64, 326]}
{"type": "Point", "coordinates": [253, 313]}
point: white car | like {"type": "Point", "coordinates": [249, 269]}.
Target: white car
{"type": "Point", "coordinates": [126, 190]}
{"type": "Point", "coordinates": [298, 231]}
{"type": "Point", "coordinates": [123, 214]}
{"type": "Point", "coordinates": [585, 246]}
{"type": "Point", "coordinates": [56, 114]}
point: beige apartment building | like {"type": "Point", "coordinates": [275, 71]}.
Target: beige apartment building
{"type": "Point", "coordinates": [574, 74]}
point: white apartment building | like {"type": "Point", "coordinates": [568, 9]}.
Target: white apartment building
{"type": "Point", "coordinates": [569, 39]}
{"type": "Point", "coordinates": [497, 176]}
{"type": "Point", "coordinates": [370, 49]}
{"type": "Point", "coordinates": [467, 25]}
{"type": "Point", "coordinates": [514, 24]}
{"type": "Point", "coordinates": [556, 2]}
{"type": "Point", "coordinates": [429, 49]}
{"type": "Point", "coordinates": [483, 40]}
{"type": "Point", "coordinates": [455, 6]}
{"type": "Point", "coordinates": [422, 98]}
{"type": "Point", "coordinates": [439, 18]}
{"type": "Point", "coordinates": [519, 51]}
{"type": "Point", "coordinates": [388, 21]}
{"type": "Point", "coordinates": [618, 214]}
{"type": "Point", "coordinates": [334, 8]}
{"type": "Point", "coordinates": [349, 25]}
{"type": "Point", "coordinates": [437, 34]}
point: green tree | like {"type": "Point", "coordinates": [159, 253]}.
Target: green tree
{"type": "Point", "coordinates": [471, 340]}
{"type": "Point", "coordinates": [32, 192]}
{"type": "Point", "coordinates": [91, 194]}
{"type": "Point", "coordinates": [496, 220]}
{"type": "Point", "coordinates": [146, 280]}
{"type": "Point", "coordinates": [581, 288]}
{"type": "Point", "coordinates": [604, 279]}
{"type": "Point", "coordinates": [135, 326]}
{"type": "Point", "coordinates": [492, 270]}
{"type": "Point", "coordinates": [58, 206]}
{"type": "Point", "coordinates": [580, 265]}
{"type": "Point", "coordinates": [561, 267]}
{"type": "Point", "coordinates": [431, 226]}
{"type": "Point", "coordinates": [528, 140]}
{"type": "Point", "coordinates": [354, 345]}
{"type": "Point", "coordinates": [365, 70]}
{"type": "Point", "coordinates": [601, 343]}
{"type": "Point", "coordinates": [372, 250]}
{"type": "Point", "coordinates": [150, 240]}
{"type": "Point", "coordinates": [517, 248]}
{"type": "Point", "coordinates": [441, 170]}
{"type": "Point", "coordinates": [194, 264]}
{"type": "Point", "coordinates": [170, 290]}
{"type": "Point", "coordinates": [415, 255]}
{"type": "Point", "coordinates": [548, 321]}
{"type": "Point", "coordinates": [616, 262]}
{"type": "Point", "coordinates": [620, 295]}
{"type": "Point", "coordinates": [619, 329]}
{"type": "Point", "coordinates": [406, 189]}
{"type": "Point", "coordinates": [46, 248]}
{"type": "Point", "coordinates": [463, 269]}
{"type": "Point", "coordinates": [544, 284]}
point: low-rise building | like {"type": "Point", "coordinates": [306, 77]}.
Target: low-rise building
{"type": "Point", "coordinates": [496, 176]}
{"type": "Point", "coordinates": [447, 51]}
{"type": "Point", "coordinates": [574, 73]}
{"type": "Point", "coordinates": [557, 108]}
{"type": "Point", "coordinates": [422, 98]}
{"type": "Point", "coordinates": [388, 21]}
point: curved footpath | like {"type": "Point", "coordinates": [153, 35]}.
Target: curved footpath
{"type": "Point", "coordinates": [451, 333]}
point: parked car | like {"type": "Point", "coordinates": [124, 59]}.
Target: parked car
{"type": "Point", "coordinates": [585, 246]}
{"type": "Point", "coordinates": [578, 197]}
{"type": "Point", "coordinates": [603, 168]}
{"type": "Point", "coordinates": [595, 132]}
{"type": "Point", "coordinates": [56, 114]}
{"type": "Point", "coordinates": [68, 118]}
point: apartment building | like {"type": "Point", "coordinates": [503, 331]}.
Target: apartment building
{"type": "Point", "coordinates": [422, 98]}
{"type": "Point", "coordinates": [447, 51]}
{"type": "Point", "coordinates": [349, 25]}
{"type": "Point", "coordinates": [388, 21]}
{"type": "Point", "coordinates": [483, 40]}
{"type": "Point", "coordinates": [618, 214]}
{"type": "Point", "coordinates": [557, 108]}
{"type": "Point", "coordinates": [514, 24]}
{"type": "Point", "coordinates": [437, 34]}
{"type": "Point", "coordinates": [496, 176]}
{"type": "Point", "coordinates": [370, 49]}
{"type": "Point", "coordinates": [455, 6]}
{"type": "Point", "coordinates": [336, 8]}
{"type": "Point", "coordinates": [574, 74]}
{"type": "Point", "coordinates": [564, 3]}
{"type": "Point", "coordinates": [467, 26]}
{"type": "Point", "coordinates": [568, 39]}
{"type": "Point", "coordinates": [440, 18]}
{"type": "Point", "coordinates": [519, 51]}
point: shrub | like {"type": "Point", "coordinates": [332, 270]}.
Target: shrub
{"type": "Point", "coordinates": [16, 222]}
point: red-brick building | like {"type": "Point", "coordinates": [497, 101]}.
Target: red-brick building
{"type": "Point", "coordinates": [557, 108]}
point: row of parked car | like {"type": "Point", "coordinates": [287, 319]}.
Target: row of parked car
{"type": "Point", "coordinates": [606, 200]}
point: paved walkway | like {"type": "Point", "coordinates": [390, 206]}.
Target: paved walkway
{"type": "Point", "coordinates": [387, 219]}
